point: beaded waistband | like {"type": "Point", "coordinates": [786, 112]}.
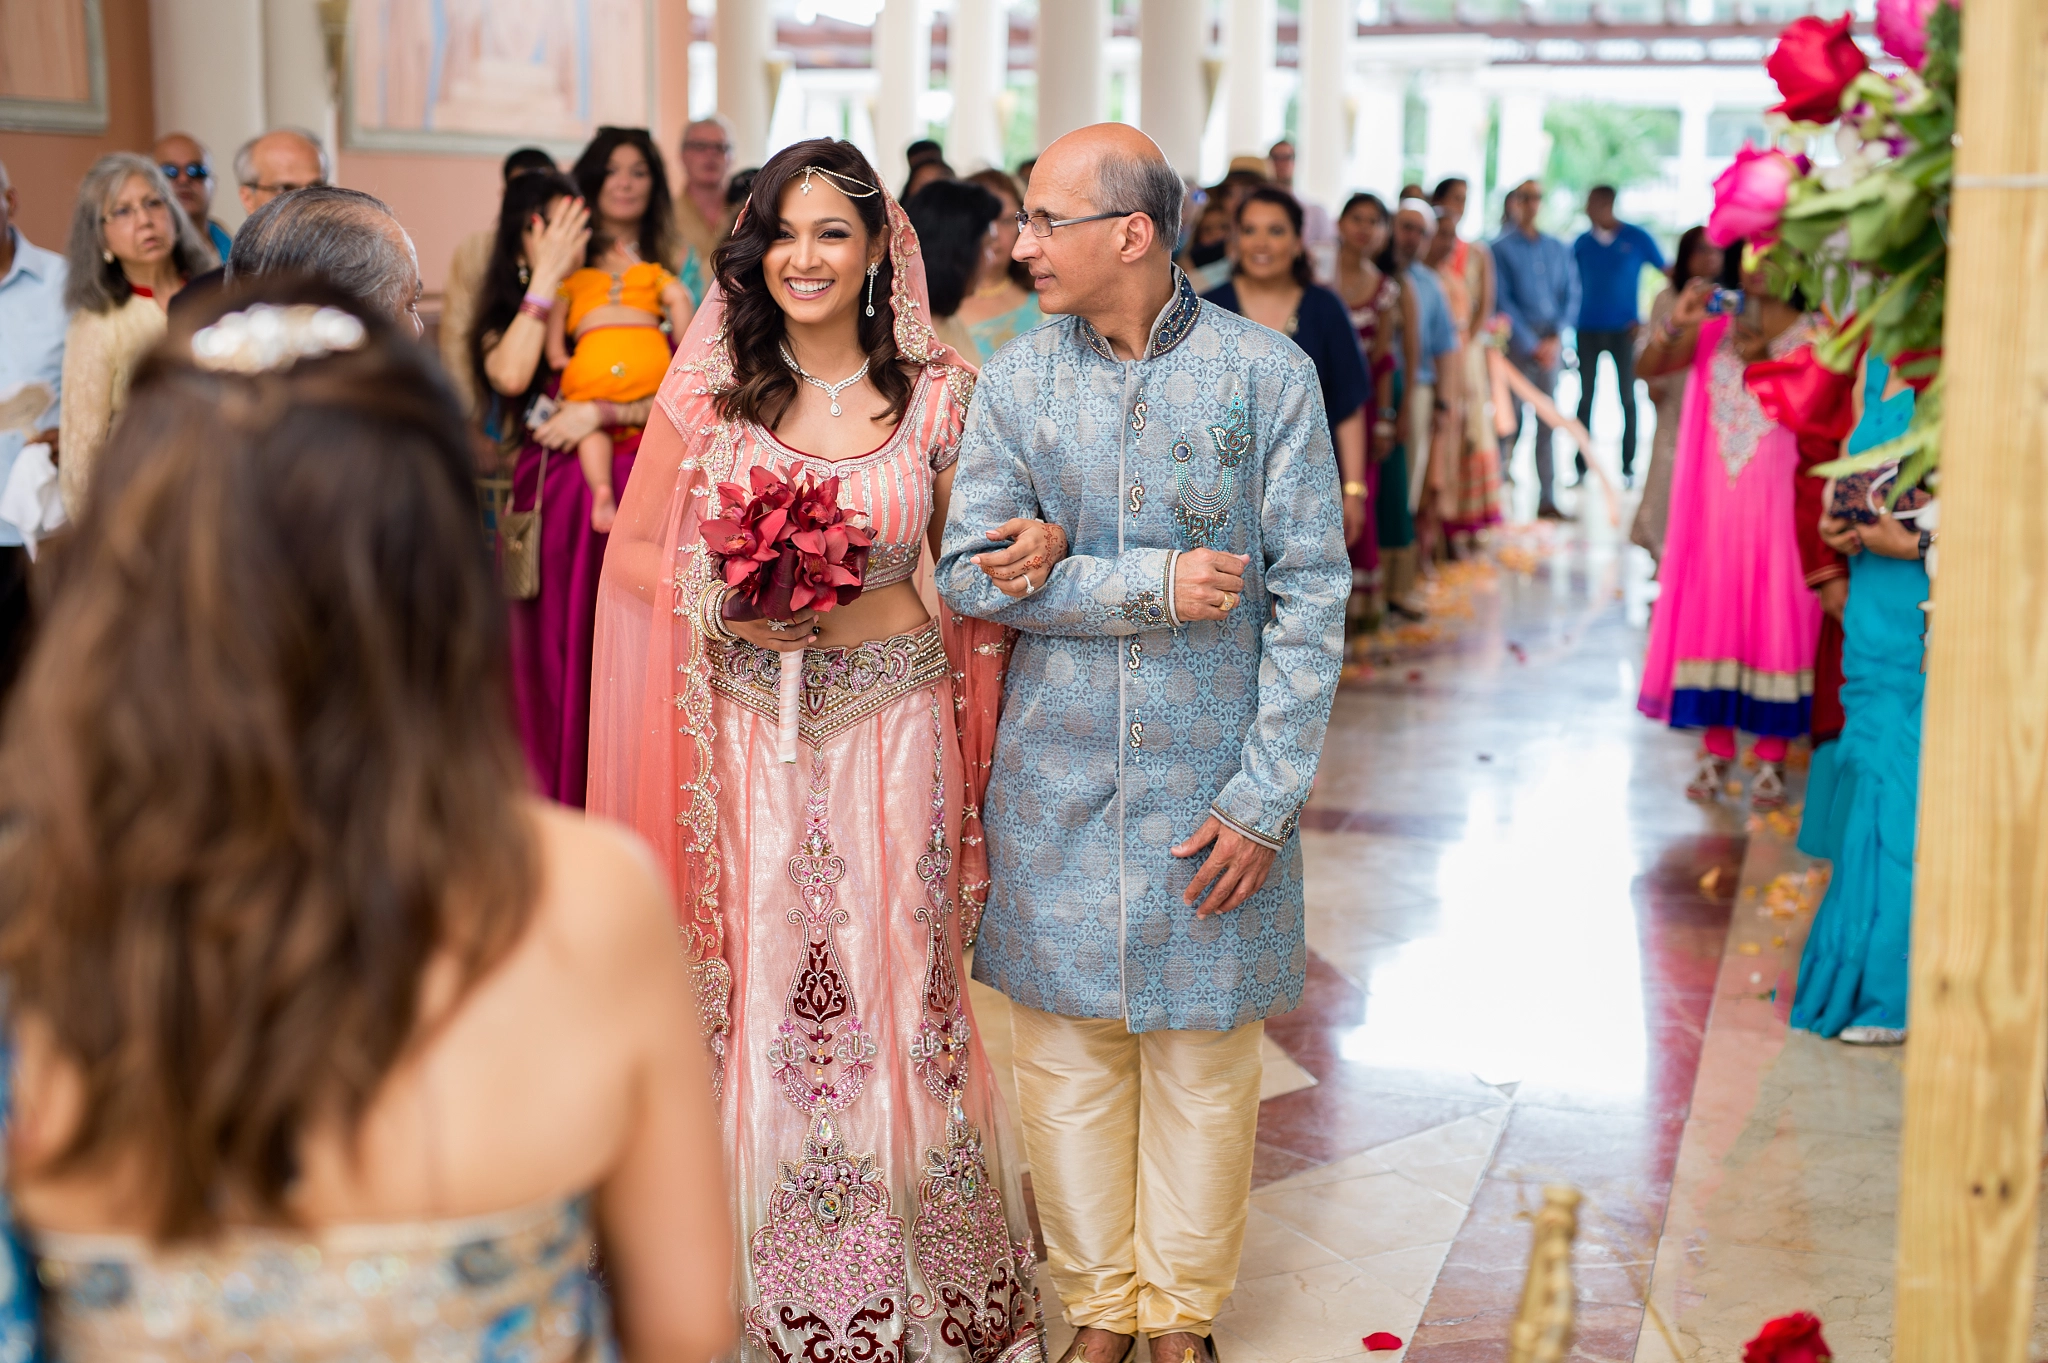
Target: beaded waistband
{"type": "Point", "coordinates": [842, 686]}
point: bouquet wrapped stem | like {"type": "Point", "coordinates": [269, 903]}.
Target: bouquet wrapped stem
{"type": "Point", "coordinates": [782, 548]}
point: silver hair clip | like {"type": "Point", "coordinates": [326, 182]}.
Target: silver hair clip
{"type": "Point", "coordinates": [267, 337]}
{"type": "Point", "coordinates": [845, 184]}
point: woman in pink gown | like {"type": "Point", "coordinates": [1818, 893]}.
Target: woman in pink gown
{"type": "Point", "coordinates": [1733, 632]}
{"type": "Point", "coordinates": [826, 903]}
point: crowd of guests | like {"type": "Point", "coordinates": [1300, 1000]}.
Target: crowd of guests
{"type": "Point", "coordinates": [278, 914]}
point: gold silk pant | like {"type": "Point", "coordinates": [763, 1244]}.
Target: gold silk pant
{"type": "Point", "coordinates": [1141, 1163]}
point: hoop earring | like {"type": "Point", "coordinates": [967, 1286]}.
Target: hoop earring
{"type": "Point", "coordinates": [873, 270]}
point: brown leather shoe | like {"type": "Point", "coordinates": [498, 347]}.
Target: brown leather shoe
{"type": "Point", "coordinates": [1182, 1347]}
{"type": "Point", "coordinates": [1099, 1346]}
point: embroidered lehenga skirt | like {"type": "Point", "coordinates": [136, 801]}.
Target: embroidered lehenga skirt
{"type": "Point", "coordinates": [876, 1194]}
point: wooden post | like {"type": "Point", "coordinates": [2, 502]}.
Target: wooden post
{"type": "Point", "coordinates": [1971, 1160]}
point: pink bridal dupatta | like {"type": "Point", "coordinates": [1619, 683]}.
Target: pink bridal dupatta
{"type": "Point", "coordinates": [651, 729]}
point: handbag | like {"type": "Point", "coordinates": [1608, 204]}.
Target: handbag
{"type": "Point", "coordinates": [519, 543]}
{"type": "Point", "coordinates": [1859, 498]}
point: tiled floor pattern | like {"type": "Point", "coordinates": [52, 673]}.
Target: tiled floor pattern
{"type": "Point", "coordinates": [1786, 1188]}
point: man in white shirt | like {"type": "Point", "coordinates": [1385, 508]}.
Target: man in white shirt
{"type": "Point", "coordinates": [32, 324]}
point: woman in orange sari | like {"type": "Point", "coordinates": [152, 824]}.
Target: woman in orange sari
{"type": "Point", "coordinates": [826, 903]}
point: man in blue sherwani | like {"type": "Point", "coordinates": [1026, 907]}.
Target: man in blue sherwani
{"type": "Point", "coordinates": [1164, 712]}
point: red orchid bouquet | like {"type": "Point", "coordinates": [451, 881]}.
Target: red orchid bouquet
{"type": "Point", "coordinates": [1865, 235]}
{"type": "Point", "coordinates": [786, 548]}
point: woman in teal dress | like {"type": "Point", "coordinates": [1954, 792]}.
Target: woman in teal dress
{"type": "Point", "coordinates": [1863, 795]}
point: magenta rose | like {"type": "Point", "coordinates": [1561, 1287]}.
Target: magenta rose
{"type": "Point", "coordinates": [1813, 64]}
{"type": "Point", "coordinates": [1749, 198]}
{"type": "Point", "coordinates": [1902, 28]}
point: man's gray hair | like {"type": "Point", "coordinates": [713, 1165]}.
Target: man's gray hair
{"type": "Point", "coordinates": [245, 155]}
{"type": "Point", "coordinates": [1141, 184]}
{"type": "Point", "coordinates": [342, 236]}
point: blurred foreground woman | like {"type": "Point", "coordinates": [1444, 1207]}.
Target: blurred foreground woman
{"type": "Point", "coordinates": [333, 1042]}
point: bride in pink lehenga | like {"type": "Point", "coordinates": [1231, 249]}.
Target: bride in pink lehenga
{"type": "Point", "coordinates": [826, 904]}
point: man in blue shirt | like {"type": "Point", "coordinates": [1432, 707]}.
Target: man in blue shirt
{"type": "Point", "coordinates": [190, 170]}
{"type": "Point", "coordinates": [1610, 257]}
{"type": "Point", "coordinates": [1435, 349]}
{"type": "Point", "coordinates": [32, 324]}
{"type": "Point", "coordinates": [1539, 293]}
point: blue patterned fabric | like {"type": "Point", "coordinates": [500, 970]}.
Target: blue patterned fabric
{"type": "Point", "coordinates": [20, 1340]}
{"type": "Point", "coordinates": [1122, 730]}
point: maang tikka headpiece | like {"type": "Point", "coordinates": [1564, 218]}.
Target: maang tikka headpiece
{"type": "Point", "coordinates": [845, 184]}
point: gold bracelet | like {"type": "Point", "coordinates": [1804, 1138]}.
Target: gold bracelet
{"type": "Point", "coordinates": [1354, 488]}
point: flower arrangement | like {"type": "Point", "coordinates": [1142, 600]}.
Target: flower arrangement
{"type": "Point", "coordinates": [785, 548]}
{"type": "Point", "coordinates": [1866, 239]}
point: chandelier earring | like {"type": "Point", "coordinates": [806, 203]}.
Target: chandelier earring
{"type": "Point", "coordinates": [873, 270]}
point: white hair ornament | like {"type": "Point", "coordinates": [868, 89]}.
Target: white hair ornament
{"type": "Point", "coordinates": [268, 337]}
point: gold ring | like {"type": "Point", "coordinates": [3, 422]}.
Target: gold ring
{"type": "Point", "coordinates": [1229, 601]}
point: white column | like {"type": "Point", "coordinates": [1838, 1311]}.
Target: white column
{"type": "Point", "coordinates": [1695, 190]}
{"type": "Point", "coordinates": [1456, 144]}
{"type": "Point", "coordinates": [903, 71]}
{"type": "Point", "coordinates": [1171, 98]}
{"type": "Point", "coordinates": [206, 64]}
{"type": "Point", "coordinates": [977, 69]}
{"type": "Point", "coordinates": [1524, 149]}
{"type": "Point", "coordinates": [1326, 32]}
{"type": "Point", "coordinates": [296, 88]}
{"type": "Point", "coordinates": [1380, 95]}
{"type": "Point", "coordinates": [1070, 38]}
{"type": "Point", "coordinates": [743, 31]}
{"type": "Point", "coordinates": [1247, 58]}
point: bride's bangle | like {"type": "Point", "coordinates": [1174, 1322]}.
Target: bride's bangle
{"type": "Point", "coordinates": [711, 612]}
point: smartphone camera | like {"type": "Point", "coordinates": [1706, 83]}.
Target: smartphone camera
{"type": "Point", "coordinates": [1724, 303]}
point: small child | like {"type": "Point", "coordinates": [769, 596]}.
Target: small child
{"type": "Point", "coordinates": [621, 354]}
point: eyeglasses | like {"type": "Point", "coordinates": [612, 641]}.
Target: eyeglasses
{"type": "Point", "coordinates": [152, 207]}
{"type": "Point", "coordinates": [1041, 223]}
{"type": "Point", "coordinates": [262, 188]}
{"type": "Point", "coordinates": [191, 170]}
{"type": "Point", "coordinates": [720, 147]}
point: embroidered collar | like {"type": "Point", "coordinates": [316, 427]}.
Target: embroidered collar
{"type": "Point", "coordinates": [1169, 329]}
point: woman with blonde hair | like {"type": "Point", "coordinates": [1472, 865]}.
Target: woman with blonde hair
{"type": "Point", "coordinates": [131, 249]}
{"type": "Point", "coordinates": [333, 1041]}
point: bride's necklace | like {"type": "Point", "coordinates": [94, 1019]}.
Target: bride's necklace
{"type": "Point", "coordinates": [832, 390]}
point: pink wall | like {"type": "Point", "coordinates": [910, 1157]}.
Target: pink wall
{"type": "Point", "coordinates": [46, 167]}
{"type": "Point", "coordinates": [442, 199]}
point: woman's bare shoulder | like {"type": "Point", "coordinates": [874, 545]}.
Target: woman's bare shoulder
{"type": "Point", "coordinates": [602, 897]}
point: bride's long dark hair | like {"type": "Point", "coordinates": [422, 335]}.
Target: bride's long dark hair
{"type": "Point", "coordinates": [764, 385]}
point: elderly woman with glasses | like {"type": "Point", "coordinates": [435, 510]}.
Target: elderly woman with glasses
{"type": "Point", "coordinates": [131, 249]}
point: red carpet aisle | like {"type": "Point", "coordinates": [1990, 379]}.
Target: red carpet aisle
{"type": "Point", "coordinates": [1512, 966]}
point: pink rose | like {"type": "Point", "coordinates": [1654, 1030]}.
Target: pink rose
{"type": "Point", "coordinates": [1813, 64]}
{"type": "Point", "coordinates": [1749, 198]}
{"type": "Point", "coordinates": [1902, 28]}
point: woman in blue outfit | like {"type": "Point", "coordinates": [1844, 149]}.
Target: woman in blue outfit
{"type": "Point", "coordinates": [1862, 798]}
{"type": "Point", "coordinates": [1273, 286]}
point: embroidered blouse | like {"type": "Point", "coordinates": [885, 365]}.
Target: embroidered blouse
{"type": "Point", "coordinates": [887, 483]}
